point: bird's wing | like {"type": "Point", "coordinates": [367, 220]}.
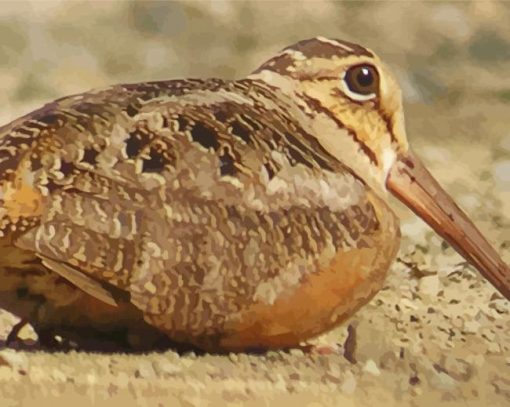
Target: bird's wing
{"type": "Point", "coordinates": [187, 195]}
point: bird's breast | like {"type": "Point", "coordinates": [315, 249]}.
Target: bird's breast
{"type": "Point", "coordinates": [281, 259]}
{"type": "Point", "coordinates": [313, 293]}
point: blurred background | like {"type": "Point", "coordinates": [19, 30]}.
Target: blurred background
{"type": "Point", "coordinates": [447, 330]}
{"type": "Point", "coordinates": [440, 50]}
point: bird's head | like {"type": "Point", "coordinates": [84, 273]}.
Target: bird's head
{"type": "Point", "coordinates": [350, 101]}
{"type": "Point", "coordinates": [353, 99]}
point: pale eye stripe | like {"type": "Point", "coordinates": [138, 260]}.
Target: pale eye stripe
{"type": "Point", "coordinates": [335, 43]}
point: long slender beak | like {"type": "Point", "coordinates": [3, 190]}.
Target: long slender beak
{"type": "Point", "coordinates": [411, 182]}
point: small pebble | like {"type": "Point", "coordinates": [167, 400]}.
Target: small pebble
{"type": "Point", "coordinates": [349, 384]}
{"type": "Point", "coordinates": [13, 359]}
{"type": "Point", "coordinates": [429, 285]}
{"type": "Point", "coordinates": [371, 367]}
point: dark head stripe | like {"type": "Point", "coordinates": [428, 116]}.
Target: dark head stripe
{"type": "Point", "coordinates": [318, 48]}
{"type": "Point", "coordinates": [278, 64]}
{"type": "Point", "coordinates": [316, 106]}
{"type": "Point", "coordinates": [313, 48]}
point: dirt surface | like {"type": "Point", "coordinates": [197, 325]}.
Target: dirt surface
{"type": "Point", "coordinates": [437, 334]}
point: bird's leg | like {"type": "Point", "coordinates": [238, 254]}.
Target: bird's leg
{"type": "Point", "coordinates": [28, 311]}
{"type": "Point", "coordinates": [46, 338]}
{"type": "Point", "coordinates": [12, 337]}
{"type": "Point", "coordinates": [45, 334]}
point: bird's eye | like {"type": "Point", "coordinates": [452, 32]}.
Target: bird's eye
{"type": "Point", "coordinates": [361, 82]}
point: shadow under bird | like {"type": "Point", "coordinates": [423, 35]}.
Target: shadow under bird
{"type": "Point", "coordinates": [229, 215]}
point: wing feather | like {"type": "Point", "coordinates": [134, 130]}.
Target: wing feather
{"type": "Point", "coordinates": [190, 205]}
{"type": "Point", "coordinates": [80, 280]}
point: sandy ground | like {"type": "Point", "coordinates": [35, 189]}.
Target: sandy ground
{"type": "Point", "coordinates": [437, 334]}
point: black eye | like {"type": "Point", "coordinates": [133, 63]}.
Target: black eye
{"type": "Point", "coordinates": [362, 81]}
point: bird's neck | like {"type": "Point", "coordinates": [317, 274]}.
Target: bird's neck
{"type": "Point", "coordinates": [317, 120]}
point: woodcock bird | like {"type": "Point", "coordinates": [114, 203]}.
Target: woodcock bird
{"type": "Point", "coordinates": [228, 215]}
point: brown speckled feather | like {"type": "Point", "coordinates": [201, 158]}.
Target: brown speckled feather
{"type": "Point", "coordinates": [205, 202]}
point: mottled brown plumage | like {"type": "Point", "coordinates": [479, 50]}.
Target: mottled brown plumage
{"type": "Point", "coordinates": [223, 214]}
